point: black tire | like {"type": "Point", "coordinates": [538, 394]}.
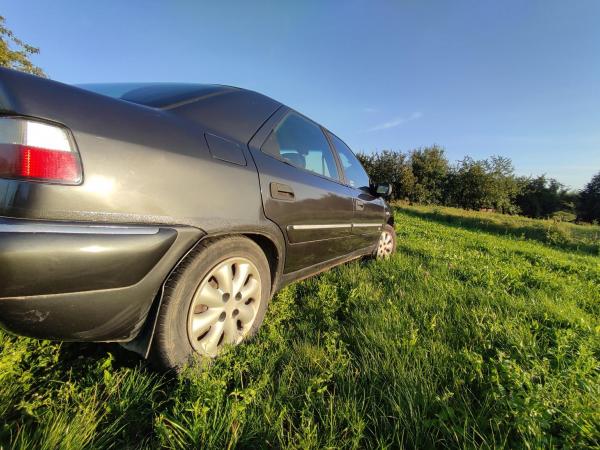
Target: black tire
{"type": "Point", "coordinates": [387, 228]}
{"type": "Point", "coordinates": [171, 347]}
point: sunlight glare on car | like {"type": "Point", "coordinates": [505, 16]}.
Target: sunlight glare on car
{"type": "Point", "coordinates": [99, 185]}
{"type": "Point", "coordinates": [93, 249]}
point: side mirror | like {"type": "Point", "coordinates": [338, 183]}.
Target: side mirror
{"type": "Point", "coordinates": [383, 189]}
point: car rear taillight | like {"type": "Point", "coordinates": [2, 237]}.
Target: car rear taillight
{"type": "Point", "coordinates": [38, 151]}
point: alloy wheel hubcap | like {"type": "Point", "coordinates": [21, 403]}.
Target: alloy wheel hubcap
{"type": "Point", "coordinates": [224, 306]}
{"type": "Point", "coordinates": [386, 245]}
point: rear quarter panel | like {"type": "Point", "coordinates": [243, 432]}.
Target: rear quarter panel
{"type": "Point", "coordinates": [141, 165]}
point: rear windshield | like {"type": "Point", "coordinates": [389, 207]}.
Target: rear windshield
{"type": "Point", "coordinates": [156, 95]}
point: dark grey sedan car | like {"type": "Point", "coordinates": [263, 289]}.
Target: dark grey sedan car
{"type": "Point", "coordinates": [164, 216]}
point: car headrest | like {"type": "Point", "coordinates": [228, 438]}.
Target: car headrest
{"type": "Point", "coordinates": [295, 159]}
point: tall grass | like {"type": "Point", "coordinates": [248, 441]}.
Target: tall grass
{"type": "Point", "coordinates": [555, 232]}
{"type": "Point", "coordinates": [463, 339]}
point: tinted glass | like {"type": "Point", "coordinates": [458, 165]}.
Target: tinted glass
{"type": "Point", "coordinates": [301, 143]}
{"type": "Point", "coordinates": [156, 95]}
{"type": "Point", "coordinates": [356, 175]}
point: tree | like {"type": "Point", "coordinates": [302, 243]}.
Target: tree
{"type": "Point", "coordinates": [542, 197]}
{"type": "Point", "coordinates": [424, 176]}
{"type": "Point", "coordinates": [15, 54]}
{"type": "Point", "coordinates": [588, 204]}
{"type": "Point", "coordinates": [469, 185]}
{"type": "Point", "coordinates": [488, 183]}
{"type": "Point", "coordinates": [429, 167]}
{"type": "Point", "coordinates": [390, 167]}
{"type": "Point", "coordinates": [504, 184]}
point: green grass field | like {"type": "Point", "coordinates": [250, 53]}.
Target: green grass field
{"type": "Point", "coordinates": [482, 331]}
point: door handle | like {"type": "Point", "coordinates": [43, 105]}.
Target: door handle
{"type": "Point", "coordinates": [359, 204]}
{"type": "Point", "coordinates": [282, 192]}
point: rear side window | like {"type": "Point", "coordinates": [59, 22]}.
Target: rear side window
{"type": "Point", "coordinates": [356, 175]}
{"type": "Point", "coordinates": [301, 143]}
{"type": "Point", "coordinates": [155, 95]}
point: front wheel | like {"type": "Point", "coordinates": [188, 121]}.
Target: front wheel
{"type": "Point", "coordinates": [387, 242]}
{"type": "Point", "coordinates": [217, 297]}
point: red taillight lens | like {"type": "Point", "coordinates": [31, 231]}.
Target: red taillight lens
{"type": "Point", "coordinates": [38, 151]}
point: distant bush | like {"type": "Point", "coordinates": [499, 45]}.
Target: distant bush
{"type": "Point", "coordinates": [564, 216]}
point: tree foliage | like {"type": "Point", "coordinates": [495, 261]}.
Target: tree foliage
{"type": "Point", "coordinates": [429, 167]}
{"type": "Point", "coordinates": [542, 197]}
{"type": "Point", "coordinates": [391, 167]}
{"type": "Point", "coordinates": [15, 54]}
{"type": "Point", "coordinates": [588, 204]}
{"type": "Point", "coordinates": [483, 184]}
{"type": "Point", "coordinates": [425, 176]}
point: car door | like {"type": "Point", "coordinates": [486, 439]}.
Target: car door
{"type": "Point", "coordinates": [302, 189]}
{"type": "Point", "coordinates": [369, 210]}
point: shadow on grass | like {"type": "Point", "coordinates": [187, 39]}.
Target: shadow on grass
{"type": "Point", "coordinates": [83, 357]}
{"type": "Point", "coordinates": [71, 353]}
{"type": "Point", "coordinates": [540, 234]}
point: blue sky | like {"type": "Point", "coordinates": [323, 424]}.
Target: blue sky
{"type": "Point", "coordinates": [515, 78]}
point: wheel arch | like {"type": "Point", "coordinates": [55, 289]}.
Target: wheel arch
{"type": "Point", "coordinates": [274, 256]}
{"type": "Point", "coordinates": [389, 212]}
{"type": "Point", "coordinates": [273, 251]}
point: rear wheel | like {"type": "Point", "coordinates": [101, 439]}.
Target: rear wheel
{"type": "Point", "coordinates": [387, 242]}
{"type": "Point", "coordinates": [217, 297]}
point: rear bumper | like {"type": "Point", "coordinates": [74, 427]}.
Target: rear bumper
{"type": "Point", "coordinates": [81, 281]}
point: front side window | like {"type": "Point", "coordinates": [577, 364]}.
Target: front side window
{"type": "Point", "coordinates": [356, 176]}
{"type": "Point", "coordinates": [301, 143]}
